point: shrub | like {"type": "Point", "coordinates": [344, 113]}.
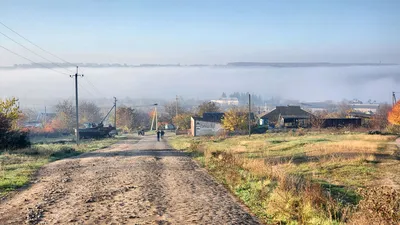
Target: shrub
{"type": "Point", "coordinates": [14, 139]}
{"type": "Point", "coordinates": [380, 205]}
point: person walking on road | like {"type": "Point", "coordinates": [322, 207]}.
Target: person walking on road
{"type": "Point", "coordinates": [162, 134]}
{"type": "Point", "coordinates": [158, 135]}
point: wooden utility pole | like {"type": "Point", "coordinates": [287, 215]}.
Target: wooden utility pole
{"type": "Point", "coordinates": [176, 106]}
{"type": "Point", "coordinates": [76, 103]}
{"type": "Point", "coordinates": [249, 115]}
{"type": "Point", "coordinates": [154, 118]}
{"type": "Point", "coordinates": [115, 113]}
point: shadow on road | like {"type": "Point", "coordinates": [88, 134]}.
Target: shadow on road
{"type": "Point", "coordinates": [136, 153]}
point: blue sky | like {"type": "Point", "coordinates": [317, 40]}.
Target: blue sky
{"type": "Point", "coordinates": [219, 31]}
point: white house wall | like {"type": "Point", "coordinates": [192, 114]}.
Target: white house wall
{"type": "Point", "coordinates": [204, 128]}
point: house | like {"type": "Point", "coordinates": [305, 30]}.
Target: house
{"type": "Point", "coordinates": [288, 116]}
{"type": "Point", "coordinates": [46, 117]}
{"type": "Point", "coordinates": [227, 101]}
{"type": "Point", "coordinates": [318, 106]}
{"type": "Point", "coordinates": [209, 124]}
{"type": "Point", "coordinates": [365, 108]}
{"type": "Point", "coordinates": [341, 122]}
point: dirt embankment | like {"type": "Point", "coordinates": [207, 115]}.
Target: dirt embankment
{"type": "Point", "coordinates": [128, 183]}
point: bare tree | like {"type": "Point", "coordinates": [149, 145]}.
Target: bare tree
{"type": "Point", "coordinates": [380, 118]}
{"type": "Point", "coordinates": [171, 111]}
{"type": "Point", "coordinates": [318, 119]}
{"type": "Point", "coordinates": [343, 109]}
{"type": "Point", "coordinates": [65, 118]}
{"type": "Point", "coordinates": [207, 107]}
{"type": "Point", "coordinates": [89, 112]}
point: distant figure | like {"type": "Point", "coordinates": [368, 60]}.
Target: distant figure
{"type": "Point", "coordinates": [158, 135]}
{"type": "Point", "coordinates": [141, 132]}
{"type": "Point", "coordinates": [162, 134]}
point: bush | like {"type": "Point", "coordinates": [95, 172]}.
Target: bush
{"type": "Point", "coordinates": [14, 140]}
{"type": "Point", "coordinates": [380, 205]}
{"type": "Point", "coordinates": [393, 129]}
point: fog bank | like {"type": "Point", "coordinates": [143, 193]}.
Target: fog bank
{"type": "Point", "coordinates": [305, 84]}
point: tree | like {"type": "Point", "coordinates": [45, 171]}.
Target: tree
{"type": "Point", "coordinates": [65, 119]}
{"type": "Point", "coordinates": [380, 118]}
{"type": "Point", "coordinates": [27, 115]}
{"type": "Point", "coordinates": [10, 110]}
{"type": "Point", "coordinates": [182, 121]}
{"type": "Point", "coordinates": [10, 136]}
{"type": "Point", "coordinates": [343, 109]}
{"type": "Point", "coordinates": [170, 110]}
{"type": "Point", "coordinates": [5, 124]}
{"type": "Point", "coordinates": [89, 112]}
{"type": "Point", "coordinates": [125, 118]}
{"type": "Point", "coordinates": [235, 119]}
{"type": "Point", "coordinates": [223, 95]}
{"type": "Point", "coordinates": [207, 107]}
{"type": "Point", "coordinates": [318, 119]}
{"type": "Point", "coordinates": [141, 119]}
{"type": "Point", "coordinates": [394, 114]}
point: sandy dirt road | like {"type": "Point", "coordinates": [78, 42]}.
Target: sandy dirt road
{"type": "Point", "coordinates": [128, 183]}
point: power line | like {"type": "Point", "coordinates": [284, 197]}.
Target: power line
{"type": "Point", "coordinates": [92, 85]}
{"type": "Point", "coordinates": [65, 61]}
{"type": "Point", "coordinates": [36, 45]}
{"type": "Point", "coordinates": [32, 61]}
{"type": "Point", "coordinates": [86, 90]}
{"type": "Point", "coordinates": [33, 52]}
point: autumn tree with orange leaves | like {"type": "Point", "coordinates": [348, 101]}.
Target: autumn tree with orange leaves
{"type": "Point", "coordinates": [394, 114]}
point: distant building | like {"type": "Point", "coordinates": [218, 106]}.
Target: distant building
{"type": "Point", "coordinates": [341, 122]}
{"type": "Point", "coordinates": [318, 106]}
{"type": "Point", "coordinates": [365, 108]}
{"type": "Point", "coordinates": [209, 124]}
{"type": "Point", "coordinates": [227, 101]}
{"type": "Point", "coordinates": [288, 116]}
{"type": "Point", "coordinates": [46, 117]}
{"type": "Point", "coordinates": [33, 124]}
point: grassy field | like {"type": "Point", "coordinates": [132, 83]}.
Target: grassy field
{"type": "Point", "coordinates": [302, 177]}
{"type": "Point", "coordinates": [18, 166]}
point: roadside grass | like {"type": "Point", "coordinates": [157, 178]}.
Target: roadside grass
{"type": "Point", "coordinates": [298, 178]}
{"type": "Point", "coordinates": [18, 166]}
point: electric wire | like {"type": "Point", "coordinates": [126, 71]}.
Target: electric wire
{"type": "Point", "coordinates": [32, 60]}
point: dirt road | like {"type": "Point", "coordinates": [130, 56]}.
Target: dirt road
{"type": "Point", "coordinates": [128, 183]}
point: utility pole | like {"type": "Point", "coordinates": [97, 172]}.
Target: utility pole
{"type": "Point", "coordinates": [115, 113]}
{"type": "Point", "coordinates": [45, 115]}
{"type": "Point", "coordinates": [76, 102]}
{"type": "Point", "coordinates": [156, 119]}
{"type": "Point", "coordinates": [249, 115]}
{"type": "Point", "coordinates": [177, 106]}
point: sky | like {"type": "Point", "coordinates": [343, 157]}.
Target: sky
{"type": "Point", "coordinates": [203, 31]}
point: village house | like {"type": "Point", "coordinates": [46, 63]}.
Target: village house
{"type": "Point", "coordinates": [209, 124]}
{"type": "Point", "coordinates": [287, 116]}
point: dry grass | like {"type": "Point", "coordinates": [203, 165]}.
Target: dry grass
{"type": "Point", "coordinates": [310, 178]}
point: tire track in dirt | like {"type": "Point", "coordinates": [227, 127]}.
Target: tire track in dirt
{"type": "Point", "coordinates": [128, 183]}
